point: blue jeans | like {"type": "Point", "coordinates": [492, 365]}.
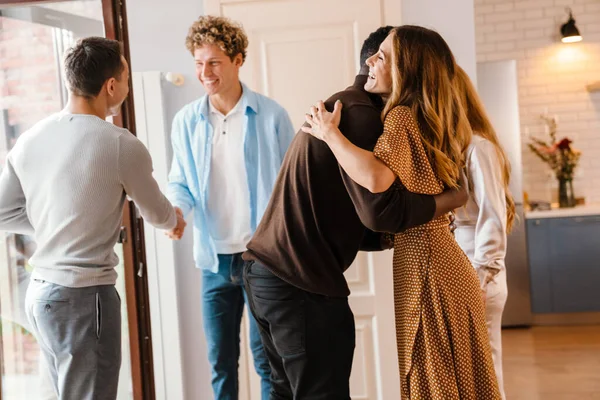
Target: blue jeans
{"type": "Point", "coordinates": [223, 298]}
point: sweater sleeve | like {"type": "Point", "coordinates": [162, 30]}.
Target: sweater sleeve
{"type": "Point", "coordinates": [393, 211]}
{"type": "Point", "coordinates": [13, 212]}
{"type": "Point", "coordinates": [135, 173]}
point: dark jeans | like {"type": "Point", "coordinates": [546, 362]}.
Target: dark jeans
{"type": "Point", "coordinates": [309, 338]}
{"type": "Point", "coordinates": [223, 298]}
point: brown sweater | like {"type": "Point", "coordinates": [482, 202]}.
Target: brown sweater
{"type": "Point", "coordinates": [312, 231]}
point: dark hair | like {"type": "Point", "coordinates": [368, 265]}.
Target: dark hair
{"type": "Point", "coordinates": [371, 44]}
{"type": "Point", "coordinates": [90, 63]}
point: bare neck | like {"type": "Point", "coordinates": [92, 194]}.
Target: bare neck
{"type": "Point", "coordinates": [224, 102]}
{"type": "Point", "coordinates": [82, 105]}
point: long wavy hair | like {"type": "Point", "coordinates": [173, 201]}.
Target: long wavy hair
{"type": "Point", "coordinates": [481, 126]}
{"type": "Point", "coordinates": [423, 68]}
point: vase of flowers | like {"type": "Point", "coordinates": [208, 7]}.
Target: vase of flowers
{"type": "Point", "coordinates": [561, 157]}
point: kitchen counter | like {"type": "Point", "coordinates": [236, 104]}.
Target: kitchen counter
{"type": "Point", "coordinates": [579, 211]}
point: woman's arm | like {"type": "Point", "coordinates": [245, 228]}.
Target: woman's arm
{"type": "Point", "coordinates": [489, 195]}
{"type": "Point", "coordinates": [361, 165]}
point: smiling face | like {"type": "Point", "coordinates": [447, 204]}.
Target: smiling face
{"type": "Point", "coordinates": [380, 69]}
{"type": "Point", "coordinates": [218, 73]}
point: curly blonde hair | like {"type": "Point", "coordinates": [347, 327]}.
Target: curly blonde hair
{"type": "Point", "coordinates": [226, 34]}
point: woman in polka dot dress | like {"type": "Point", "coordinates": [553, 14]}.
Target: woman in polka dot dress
{"type": "Point", "coordinates": [443, 345]}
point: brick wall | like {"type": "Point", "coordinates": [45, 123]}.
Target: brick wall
{"type": "Point", "coordinates": [28, 66]}
{"type": "Point", "coordinates": [552, 76]}
{"type": "Point", "coordinates": [28, 73]}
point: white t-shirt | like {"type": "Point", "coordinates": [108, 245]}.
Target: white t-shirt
{"type": "Point", "coordinates": [228, 192]}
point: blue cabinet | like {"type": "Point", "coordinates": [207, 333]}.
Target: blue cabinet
{"type": "Point", "coordinates": [564, 261]}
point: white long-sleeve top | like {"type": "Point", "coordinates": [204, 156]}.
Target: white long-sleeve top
{"type": "Point", "coordinates": [65, 182]}
{"type": "Point", "coordinates": [481, 223]}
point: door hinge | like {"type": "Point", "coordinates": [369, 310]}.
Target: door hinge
{"type": "Point", "coordinates": [122, 235]}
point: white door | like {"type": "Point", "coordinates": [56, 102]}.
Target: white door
{"type": "Point", "coordinates": [302, 51]}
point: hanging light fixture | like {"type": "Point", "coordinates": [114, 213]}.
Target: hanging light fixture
{"type": "Point", "coordinates": [569, 32]}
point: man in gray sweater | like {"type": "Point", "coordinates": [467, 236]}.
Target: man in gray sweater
{"type": "Point", "coordinates": [65, 183]}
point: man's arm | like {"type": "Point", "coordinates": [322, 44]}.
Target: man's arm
{"type": "Point", "coordinates": [376, 241]}
{"type": "Point", "coordinates": [13, 211]}
{"type": "Point", "coordinates": [394, 209]}
{"type": "Point", "coordinates": [451, 199]}
{"type": "Point", "coordinates": [397, 209]}
{"type": "Point", "coordinates": [135, 174]}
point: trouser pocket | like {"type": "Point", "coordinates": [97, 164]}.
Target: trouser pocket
{"type": "Point", "coordinates": [280, 305]}
{"type": "Point", "coordinates": [98, 316]}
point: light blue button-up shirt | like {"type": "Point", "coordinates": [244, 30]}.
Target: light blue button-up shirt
{"type": "Point", "coordinates": [268, 132]}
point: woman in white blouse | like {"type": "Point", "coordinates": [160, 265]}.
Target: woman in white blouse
{"type": "Point", "coordinates": [483, 223]}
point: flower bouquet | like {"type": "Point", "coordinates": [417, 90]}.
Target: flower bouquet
{"type": "Point", "coordinates": [561, 157]}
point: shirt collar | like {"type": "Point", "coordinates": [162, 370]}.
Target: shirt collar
{"type": "Point", "coordinates": [236, 109]}
{"type": "Point", "coordinates": [248, 102]}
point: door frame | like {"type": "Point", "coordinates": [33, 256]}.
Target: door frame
{"type": "Point", "coordinates": [136, 283]}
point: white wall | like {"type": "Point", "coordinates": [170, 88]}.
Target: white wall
{"type": "Point", "coordinates": [552, 76]}
{"type": "Point", "coordinates": [454, 20]}
{"type": "Point", "coordinates": [157, 31]}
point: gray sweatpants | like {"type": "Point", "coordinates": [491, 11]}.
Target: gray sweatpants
{"type": "Point", "coordinates": [79, 332]}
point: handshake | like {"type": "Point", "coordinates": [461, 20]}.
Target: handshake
{"type": "Point", "coordinates": [177, 232]}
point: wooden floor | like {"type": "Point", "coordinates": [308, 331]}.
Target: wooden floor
{"type": "Point", "coordinates": [552, 363]}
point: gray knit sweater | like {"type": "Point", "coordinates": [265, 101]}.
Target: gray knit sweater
{"type": "Point", "coordinates": [65, 182]}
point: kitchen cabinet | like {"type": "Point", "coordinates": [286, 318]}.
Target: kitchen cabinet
{"type": "Point", "coordinates": [564, 262]}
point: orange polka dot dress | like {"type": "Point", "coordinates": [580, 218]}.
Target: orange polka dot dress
{"type": "Point", "coordinates": [442, 339]}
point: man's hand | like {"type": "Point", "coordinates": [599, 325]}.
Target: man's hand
{"type": "Point", "coordinates": [452, 219]}
{"type": "Point", "coordinates": [462, 193]}
{"type": "Point", "coordinates": [452, 199]}
{"type": "Point", "coordinates": [387, 241]}
{"type": "Point", "coordinates": [177, 232]}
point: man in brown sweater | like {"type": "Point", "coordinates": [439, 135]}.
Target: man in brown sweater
{"type": "Point", "coordinates": [309, 235]}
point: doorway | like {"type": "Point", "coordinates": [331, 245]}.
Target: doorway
{"type": "Point", "coordinates": [33, 38]}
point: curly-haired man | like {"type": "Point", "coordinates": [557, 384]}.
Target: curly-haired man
{"type": "Point", "coordinates": [227, 150]}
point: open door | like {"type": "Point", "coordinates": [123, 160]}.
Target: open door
{"type": "Point", "coordinates": [33, 38]}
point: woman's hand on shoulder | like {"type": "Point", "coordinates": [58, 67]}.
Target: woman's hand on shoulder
{"type": "Point", "coordinates": [321, 123]}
